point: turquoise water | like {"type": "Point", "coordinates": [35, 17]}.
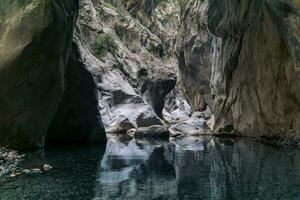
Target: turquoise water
{"type": "Point", "coordinates": [195, 168]}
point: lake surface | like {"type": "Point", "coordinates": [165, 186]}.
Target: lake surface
{"type": "Point", "coordinates": [194, 168]}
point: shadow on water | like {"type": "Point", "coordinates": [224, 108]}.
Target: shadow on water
{"type": "Point", "coordinates": [194, 168]}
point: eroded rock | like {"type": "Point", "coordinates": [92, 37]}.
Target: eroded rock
{"type": "Point", "coordinates": [35, 38]}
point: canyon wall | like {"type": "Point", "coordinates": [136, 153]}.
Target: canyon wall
{"type": "Point", "coordinates": [35, 41]}
{"type": "Point", "coordinates": [251, 54]}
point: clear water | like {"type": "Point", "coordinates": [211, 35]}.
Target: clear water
{"type": "Point", "coordinates": [196, 168]}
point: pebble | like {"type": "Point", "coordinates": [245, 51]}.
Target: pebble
{"type": "Point", "coordinates": [47, 167]}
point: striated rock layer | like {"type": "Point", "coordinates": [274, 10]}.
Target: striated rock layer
{"type": "Point", "coordinates": [256, 79]}
{"type": "Point", "coordinates": [249, 52]}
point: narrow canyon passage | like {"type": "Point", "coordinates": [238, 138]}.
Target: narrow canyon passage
{"type": "Point", "coordinates": [149, 99]}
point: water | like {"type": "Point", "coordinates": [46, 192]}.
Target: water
{"type": "Point", "coordinates": [196, 168]}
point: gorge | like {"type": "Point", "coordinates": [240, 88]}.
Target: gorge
{"type": "Point", "coordinates": [145, 87]}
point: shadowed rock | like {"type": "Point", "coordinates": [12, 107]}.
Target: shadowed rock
{"type": "Point", "coordinates": [78, 118]}
{"type": "Point", "coordinates": [35, 38]}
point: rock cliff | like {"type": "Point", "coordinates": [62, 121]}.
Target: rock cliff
{"type": "Point", "coordinates": [69, 70]}
{"type": "Point", "coordinates": [35, 38]}
{"type": "Point", "coordinates": [249, 52]}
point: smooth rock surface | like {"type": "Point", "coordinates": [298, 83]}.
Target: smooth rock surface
{"type": "Point", "coordinates": [35, 38]}
{"type": "Point", "coordinates": [190, 127]}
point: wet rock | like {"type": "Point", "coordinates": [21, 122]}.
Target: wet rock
{"type": "Point", "coordinates": [176, 107]}
{"type": "Point", "coordinates": [152, 132]}
{"type": "Point", "coordinates": [190, 127]}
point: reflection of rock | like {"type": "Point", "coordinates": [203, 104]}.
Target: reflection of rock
{"type": "Point", "coordinates": [197, 168]}
{"type": "Point", "coordinates": [127, 167]}
{"type": "Point", "coordinates": [152, 132]}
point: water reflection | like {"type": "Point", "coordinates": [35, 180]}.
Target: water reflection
{"type": "Point", "coordinates": [197, 168]}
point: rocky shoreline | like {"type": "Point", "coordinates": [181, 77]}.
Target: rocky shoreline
{"type": "Point", "coordinates": [10, 161]}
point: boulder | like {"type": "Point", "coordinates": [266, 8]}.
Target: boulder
{"type": "Point", "coordinates": [190, 127]}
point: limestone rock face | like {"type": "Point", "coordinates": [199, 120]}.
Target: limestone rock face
{"type": "Point", "coordinates": [35, 38]}
{"type": "Point", "coordinates": [194, 54]}
{"type": "Point", "coordinates": [155, 86]}
{"type": "Point", "coordinates": [134, 81]}
{"type": "Point", "coordinates": [139, 6]}
{"type": "Point", "coordinates": [242, 59]}
{"type": "Point", "coordinates": [256, 79]}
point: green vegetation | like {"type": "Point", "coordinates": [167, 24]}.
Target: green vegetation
{"type": "Point", "coordinates": [120, 31]}
{"type": "Point", "coordinates": [105, 43]}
